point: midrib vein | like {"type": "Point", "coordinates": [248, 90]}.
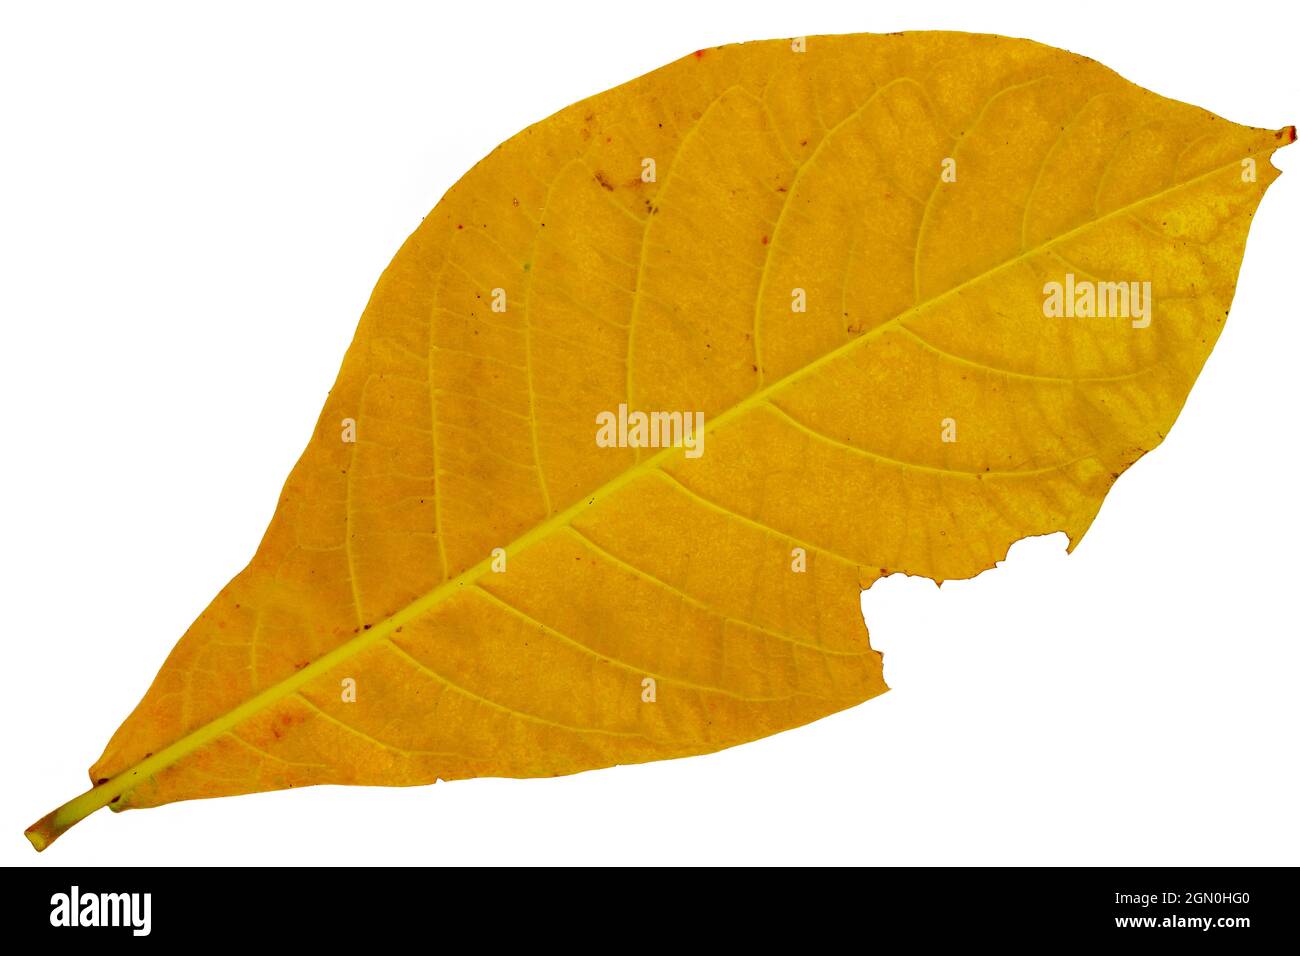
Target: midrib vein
{"type": "Point", "coordinates": [53, 824]}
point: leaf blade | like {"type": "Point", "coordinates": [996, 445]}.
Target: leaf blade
{"type": "Point", "coordinates": [731, 115]}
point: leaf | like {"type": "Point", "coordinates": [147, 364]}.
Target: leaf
{"type": "Point", "coordinates": [649, 247]}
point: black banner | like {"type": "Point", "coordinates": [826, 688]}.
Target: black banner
{"type": "Point", "coordinates": [1173, 907]}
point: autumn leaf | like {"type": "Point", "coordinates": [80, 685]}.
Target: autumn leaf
{"type": "Point", "coordinates": [667, 379]}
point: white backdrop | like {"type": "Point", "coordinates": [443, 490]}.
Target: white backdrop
{"type": "Point", "coordinates": [195, 208]}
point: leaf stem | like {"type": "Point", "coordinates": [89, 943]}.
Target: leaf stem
{"type": "Point", "coordinates": [57, 822]}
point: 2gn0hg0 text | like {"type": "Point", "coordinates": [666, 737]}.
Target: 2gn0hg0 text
{"type": "Point", "coordinates": [1188, 897]}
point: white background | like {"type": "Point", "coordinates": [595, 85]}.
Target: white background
{"type": "Point", "coordinates": [195, 209]}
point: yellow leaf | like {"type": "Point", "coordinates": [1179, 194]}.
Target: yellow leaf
{"type": "Point", "coordinates": [930, 293]}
